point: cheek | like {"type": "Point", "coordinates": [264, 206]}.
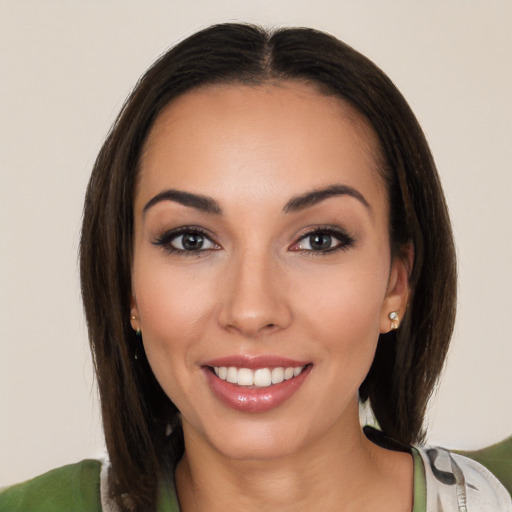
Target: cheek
{"type": "Point", "coordinates": [168, 297]}
{"type": "Point", "coordinates": [349, 328]}
{"type": "Point", "coordinates": [342, 312]}
{"type": "Point", "coordinates": [348, 297]}
{"type": "Point", "coordinates": [173, 307]}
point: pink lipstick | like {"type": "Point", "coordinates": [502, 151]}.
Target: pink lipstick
{"type": "Point", "coordinates": [255, 384]}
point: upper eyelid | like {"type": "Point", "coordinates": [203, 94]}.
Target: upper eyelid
{"type": "Point", "coordinates": [322, 229]}
{"type": "Point", "coordinates": [168, 235]}
{"type": "Point", "coordinates": [174, 232]}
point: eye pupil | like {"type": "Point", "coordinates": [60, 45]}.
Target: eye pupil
{"type": "Point", "coordinates": [320, 241]}
{"type": "Point", "coordinates": [192, 241]}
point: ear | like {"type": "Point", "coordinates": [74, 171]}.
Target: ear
{"type": "Point", "coordinates": [397, 294]}
{"type": "Point", "coordinates": [134, 314]}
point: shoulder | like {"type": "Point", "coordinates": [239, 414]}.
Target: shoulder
{"type": "Point", "coordinates": [74, 487]}
{"type": "Point", "coordinates": [458, 482]}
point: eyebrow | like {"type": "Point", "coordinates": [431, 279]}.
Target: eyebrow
{"type": "Point", "coordinates": [199, 202]}
{"type": "Point", "coordinates": [209, 205]}
{"type": "Point", "coordinates": [316, 196]}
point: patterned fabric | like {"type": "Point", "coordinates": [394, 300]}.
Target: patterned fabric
{"type": "Point", "coordinates": [455, 483]}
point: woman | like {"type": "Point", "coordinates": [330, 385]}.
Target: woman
{"type": "Point", "coordinates": [265, 244]}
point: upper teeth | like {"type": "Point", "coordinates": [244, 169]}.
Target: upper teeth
{"type": "Point", "coordinates": [261, 377]}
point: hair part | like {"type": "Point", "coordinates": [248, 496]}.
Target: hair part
{"type": "Point", "coordinates": [136, 411]}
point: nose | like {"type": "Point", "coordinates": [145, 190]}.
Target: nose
{"type": "Point", "coordinates": [254, 299]}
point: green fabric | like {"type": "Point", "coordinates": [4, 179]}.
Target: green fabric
{"type": "Point", "coordinates": [73, 488]}
{"type": "Point", "coordinates": [168, 500]}
{"type": "Point", "coordinates": [497, 459]}
{"type": "Point", "coordinates": [420, 491]}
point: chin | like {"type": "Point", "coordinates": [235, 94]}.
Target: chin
{"type": "Point", "coordinates": [260, 445]}
{"type": "Point", "coordinates": [270, 438]}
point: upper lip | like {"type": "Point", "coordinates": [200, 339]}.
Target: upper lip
{"type": "Point", "coordinates": [254, 362]}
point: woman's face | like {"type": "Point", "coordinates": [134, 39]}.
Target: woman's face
{"type": "Point", "coordinates": [262, 273]}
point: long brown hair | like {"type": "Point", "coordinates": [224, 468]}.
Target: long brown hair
{"type": "Point", "coordinates": [136, 412]}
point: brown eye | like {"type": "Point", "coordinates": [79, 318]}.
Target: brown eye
{"type": "Point", "coordinates": [185, 241]}
{"type": "Point", "coordinates": [191, 241]}
{"type": "Point", "coordinates": [323, 240]}
{"type": "Point", "coordinates": [320, 242]}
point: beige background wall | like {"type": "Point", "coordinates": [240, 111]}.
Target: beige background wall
{"type": "Point", "coordinates": [67, 66]}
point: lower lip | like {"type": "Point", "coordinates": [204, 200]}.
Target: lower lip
{"type": "Point", "coordinates": [254, 399]}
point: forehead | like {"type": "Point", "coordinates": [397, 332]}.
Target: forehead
{"type": "Point", "coordinates": [259, 140]}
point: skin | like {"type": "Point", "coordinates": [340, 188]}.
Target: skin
{"type": "Point", "coordinates": [259, 289]}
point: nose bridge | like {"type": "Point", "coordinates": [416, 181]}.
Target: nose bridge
{"type": "Point", "coordinates": [254, 301]}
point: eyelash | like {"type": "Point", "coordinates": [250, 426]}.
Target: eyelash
{"type": "Point", "coordinates": [345, 240]}
{"type": "Point", "coordinates": [166, 239]}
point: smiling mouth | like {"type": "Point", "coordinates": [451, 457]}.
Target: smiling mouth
{"type": "Point", "coordinates": [259, 377]}
{"type": "Point", "coordinates": [255, 384]}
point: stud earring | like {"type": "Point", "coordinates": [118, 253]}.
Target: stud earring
{"type": "Point", "coordinates": [395, 320]}
{"type": "Point", "coordinates": [135, 320]}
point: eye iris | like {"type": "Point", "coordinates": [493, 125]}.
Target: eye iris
{"type": "Point", "coordinates": [192, 241]}
{"type": "Point", "coordinates": [320, 241]}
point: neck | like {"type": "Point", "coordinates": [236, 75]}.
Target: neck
{"type": "Point", "coordinates": [342, 471]}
